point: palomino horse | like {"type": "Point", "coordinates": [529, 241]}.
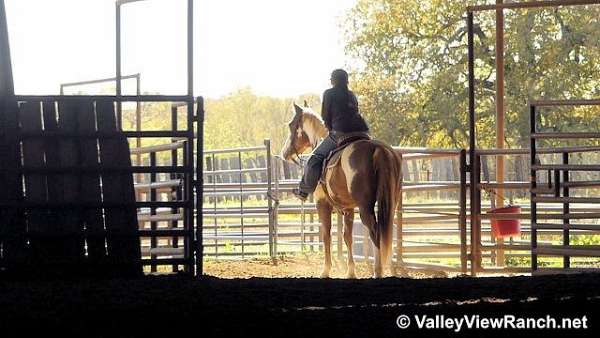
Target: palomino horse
{"type": "Point", "coordinates": [368, 172]}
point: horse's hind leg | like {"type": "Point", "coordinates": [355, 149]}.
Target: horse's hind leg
{"type": "Point", "coordinates": [367, 216]}
{"type": "Point", "coordinates": [324, 210]}
{"type": "Point", "coordinates": [348, 225]}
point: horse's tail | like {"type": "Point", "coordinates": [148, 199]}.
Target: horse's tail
{"type": "Point", "coordinates": [387, 165]}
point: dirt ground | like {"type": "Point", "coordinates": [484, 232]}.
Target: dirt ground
{"type": "Point", "coordinates": [288, 307]}
{"type": "Point", "coordinates": [299, 266]}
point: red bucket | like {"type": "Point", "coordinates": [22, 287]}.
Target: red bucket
{"type": "Point", "coordinates": [506, 227]}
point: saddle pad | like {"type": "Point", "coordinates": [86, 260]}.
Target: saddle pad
{"type": "Point", "coordinates": [334, 156]}
{"type": "Point", "coordinates": [333, 159]}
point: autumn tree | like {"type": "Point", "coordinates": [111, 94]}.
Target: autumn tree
{"type": "Point", "coordinates": [410, 71]}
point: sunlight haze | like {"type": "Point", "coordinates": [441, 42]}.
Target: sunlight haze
{"type": "Point", "coordinates": [277, 47]}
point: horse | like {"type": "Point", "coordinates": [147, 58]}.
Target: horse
{"type": "Point", "coordinates": [368, 172]}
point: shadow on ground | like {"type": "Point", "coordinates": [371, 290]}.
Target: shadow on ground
{"type": "Point", "coordinates": [211, 307]}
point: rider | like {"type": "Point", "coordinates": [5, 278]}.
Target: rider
{"type": "Point", "coordinates": [342, 118]}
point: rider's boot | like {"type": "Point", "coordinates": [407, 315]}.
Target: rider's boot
{"type": "Point", "coordinates": [303, 196]}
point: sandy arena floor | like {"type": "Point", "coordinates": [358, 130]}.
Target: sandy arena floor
{"type": "Point", "coordinates": [301, 266]}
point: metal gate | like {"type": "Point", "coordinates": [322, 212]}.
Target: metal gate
{"type": "Point", "coordinates": [562, 187]}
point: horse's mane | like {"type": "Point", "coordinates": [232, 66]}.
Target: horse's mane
{"type": "Point", "coordinates": [309, 111]}
{"type": "Point", "coordinates": [311, 114]}
{"type": "Point", "coordinates": [314, 125]}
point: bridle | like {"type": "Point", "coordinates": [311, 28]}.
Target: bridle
{"type": "Point", "coordinates": [297, 160]}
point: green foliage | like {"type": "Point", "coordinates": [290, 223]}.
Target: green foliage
{"type": "Point", "coordinates": [243, 119]}
{"type": "Point", "coordinates": [411, 74]}
{"type": "Point", "coordinates": [585, 240]}
{"type": "Point", "coordinates": [240, 119]}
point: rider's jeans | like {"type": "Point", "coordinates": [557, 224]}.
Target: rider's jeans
{"type": "Point", "coordinates": [314, 166]}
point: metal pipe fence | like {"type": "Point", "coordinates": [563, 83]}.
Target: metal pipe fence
{"type": "Point", "coordinates": [474, 167]}
{"type": "Point", "coordinates": [433, 235]}
{"type": "Point", "coordinates": [239, 203]}
{"type": "Point", "coordinates": [559, 189]}
{"type": "Point", "coordinates": [289, 227]}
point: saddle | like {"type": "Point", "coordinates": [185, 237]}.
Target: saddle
{"type": "Point", "coordinates": [334, 156]}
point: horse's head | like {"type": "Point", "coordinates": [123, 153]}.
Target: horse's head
{"type": "Point", "coordinates": [300, 139]}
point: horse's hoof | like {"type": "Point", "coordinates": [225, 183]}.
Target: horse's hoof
{"type": "Point", "coordinates": [351, 276]}
{"type": "Point", "coordinates": [324, 275]}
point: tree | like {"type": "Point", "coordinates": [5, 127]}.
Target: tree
{"type": "Point", "coordinates": [244, 119]}
{"type": "Point", "coordinates": [411, 73]}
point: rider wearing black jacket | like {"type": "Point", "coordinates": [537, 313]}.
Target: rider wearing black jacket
{"type": "Point", "coordinates": [342, 118]}
{"type": "Point", "coordinates": [340, 111]}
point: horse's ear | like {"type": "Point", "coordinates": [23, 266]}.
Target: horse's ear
{"type": "Point", "coordinates": [298, 109]}
{"type": "Point", "coordinates": [306, 104]}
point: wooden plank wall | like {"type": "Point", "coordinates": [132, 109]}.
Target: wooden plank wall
{"type": "Point", "coordinates": [123, 242]}
{"type": "Point", "coordinates": [47, 245]}
{"type": "Point", "coordinates": [91, 218]}
{"type": "Point", "coordinates": [66, 231]}
{"type": "Point", "coordinates": [12, 226]}
{"type": "Point", "coordinates": [70, 226]}
{"type": "Point", "coordinates": [38, 222]}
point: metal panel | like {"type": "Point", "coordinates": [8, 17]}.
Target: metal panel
{"type": "Point", "coordinates": [566, 250]}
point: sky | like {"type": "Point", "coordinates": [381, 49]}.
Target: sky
{"type": "Point", "coordinates": [281, 48]}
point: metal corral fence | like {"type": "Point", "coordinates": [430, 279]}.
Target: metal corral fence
{"type": "Point", "coordinates": [487, 254]}
{"type": "Point", "coordinates": [559, 174]}
{"type": "Point", "coordinates": [245, 215]}
{"type": "Point", "coordinates": [249, 211]}
{"type": "Point", "coordinates": [431, 223]}
{"type": "Point", "coordinates": [514, 254]}
{"type": "Point", "coordinates": [239, 204]}
{"type": "Point", "coordinates": [567, 181]}
{"type": "Point", "coordinates": [167, 223]}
